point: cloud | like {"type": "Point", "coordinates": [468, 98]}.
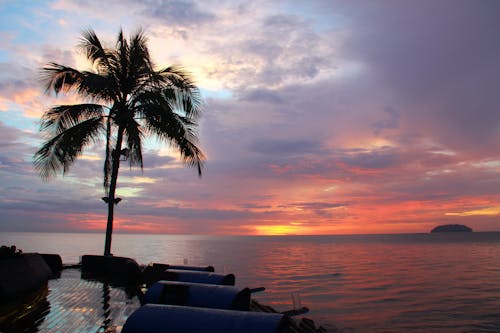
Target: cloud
{"type": "Point", "coordinates": [337, 116]}
{"type": "Point", "coordinates": [9, 136]}
{"type": "Point", "coordinates": [285, 147]}
{"type": "Point", "coordinates": [478, 212]}
{"type": "Point", "coordinates": [392, 122]}
{"type": "Point", "coordinates": [177, 13]}
{"type": "Point", "coordinates": [319, 208]}
{"type": "Point", "coordinates": [261, 95]}
{"type": "Point", "coordinates": [441, 74]}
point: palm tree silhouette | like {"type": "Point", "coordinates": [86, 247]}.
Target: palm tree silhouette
{"type": "Point", "coordinates": [127, 99]}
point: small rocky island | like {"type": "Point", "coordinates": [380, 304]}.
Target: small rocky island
{"type": "Point", "coordinates": [451, 228]}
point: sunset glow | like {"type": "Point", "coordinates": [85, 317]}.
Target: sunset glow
{"type": "Point", "coordinates": [323, 117]}
{"type": "Point", "coordinates": [273, 230]}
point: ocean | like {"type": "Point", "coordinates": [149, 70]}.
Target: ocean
{"type": "Point", "coordinates": [448, 282]}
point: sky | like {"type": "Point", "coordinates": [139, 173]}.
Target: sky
{"type": "Point", "coordinates": [319, 117]}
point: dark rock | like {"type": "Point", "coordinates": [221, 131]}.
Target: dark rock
{"type": "Point", "coordinates": [21, 275]}
{"type": "Point", "coordinates": [9, 251]}
{"type": "Point", "coordinates": [451, 228]}
{"type": "Point", "coordinates": [115, 270]}
{"type": "Point", "coordinates": [54, 261]}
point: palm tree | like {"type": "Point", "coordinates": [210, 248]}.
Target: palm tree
{"type": "Point", "coordinates": [126, 100]}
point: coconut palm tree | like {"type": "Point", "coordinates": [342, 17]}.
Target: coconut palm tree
{"type": "Point", "coordinates": [126, 99]}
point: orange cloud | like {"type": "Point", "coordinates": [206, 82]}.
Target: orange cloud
{"type": "Point", "coordinates": [487, 211]}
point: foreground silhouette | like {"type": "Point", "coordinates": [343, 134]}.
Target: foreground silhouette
{"type": "Point", "coordinates": [126, 100]}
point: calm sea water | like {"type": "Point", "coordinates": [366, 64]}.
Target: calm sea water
{"type": "Point", "coordinates": [377, 283]}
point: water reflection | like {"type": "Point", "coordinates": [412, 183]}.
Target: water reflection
{"type": "Point", "coordinates": [390, 283]}
{"type": "Point", "coordinates": [28, 317]}
{"type": "Point", "coordinates": [106, 323]}
{"type": "Point", "coordinates": [78, 305]}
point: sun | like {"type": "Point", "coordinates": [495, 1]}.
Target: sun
{"type": "Point", "coordinates": [277, 230]}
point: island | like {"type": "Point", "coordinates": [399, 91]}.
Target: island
{"type": "Point", "coordinates": [451, 228]}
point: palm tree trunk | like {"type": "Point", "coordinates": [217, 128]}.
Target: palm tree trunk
{"type": "Point", "coordinates": [107, 167]}
{"type": "Point", "coordinates": [112, 187]}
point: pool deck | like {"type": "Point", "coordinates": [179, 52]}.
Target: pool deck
{"type": "Point", "coordinates": [73, 304]}
{"type": "Point", "coordinates": [78, 305]}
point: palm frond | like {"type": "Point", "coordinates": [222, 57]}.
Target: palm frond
{"type": "Point", "coordinates": [142, 71]}
{"type": "Point", "coordinates": [188, 102]}
{"type": "Point", "coordinates": [134, 143]}
{"type": "Point", "coordinates": [98, 87]}
{"type": "Point", "coordinates": [177, 130]}
{"type": "Point", "coordinates": [139, 52]}
{"type": "Point", "coordinates": [60, 152]}
{"type": "Point", "coordinates": [122, 49]}
{"type": "Point", "coordinates": [63, 78]}
{"type": "Point", "coordinates": [191, 154]}
{"type": "Point", "coordinates": [94, 51]}
{"type": "Point", "coordinates": [177, 77]}
{"type": "Point", "coordinates": [167, 102]}
{"type": "Point", "coordinates": [60, 78]}
{"type": "Point", "coordinates": [104, 60]}
{"type": "Point", "coordinates": [187, 94]}
{"type": "Point", "coordinates": [61, 117]}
